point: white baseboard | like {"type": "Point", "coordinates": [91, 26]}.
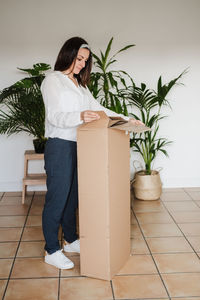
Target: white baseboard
{"type": "Point", "coordinates": [15, 186]}
{"type": "Point", "coordinates": [181, 182]}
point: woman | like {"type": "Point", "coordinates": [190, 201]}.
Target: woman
{"type": "Point", "coordinates": [68, 103]}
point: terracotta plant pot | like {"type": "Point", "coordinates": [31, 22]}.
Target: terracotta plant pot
{"type": "Point", "coordinates": [147, 187]}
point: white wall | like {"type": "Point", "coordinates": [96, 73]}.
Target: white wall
{"type": "Point", "coordinates": [166, 34]}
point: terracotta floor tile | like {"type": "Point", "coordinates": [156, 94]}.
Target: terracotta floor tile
{"type": "Point", "coordinates": [31, 249]}
{"type": "Point", "coordinates": [132, 198]}
{"type": "Point", "coordinates": [186, 216]}
{"type": "Point", "coordinates": [40, 193]}
{"type": "Point", "coordinates": [183, 284]}
{"type": "Point", "coordinates": [12, 221]}
{"type": "Point", "coordinates": [138, 246]}
{"type": "Point", "coordinates": [148, 213]}
{"type": "Point", "coordinates": [135, 231]}
{"type": "Point", "coordinates": [160, 230]}
{"type": "Point", "coordinates": [138, 264]}
{"type": "Point", "coordinates": [172, 190]}
{"type": "Point", "coordinates": [13, 210]}
{"type": "Point", "coordinates": [139, 286]}
{"type": "Point", "coordinates": [175, 196]}
{"type": "Point", "coordinates": [39, 199]}
{"type": "Point", "coordinates": [189, 189]}
{"type": "Point", "coordinates": [182, 206]}
{"type": "Point", "coordinates": [8, 250]}
{"type": "Point", "coordinates": [148, 206]}
{"type": "Point", "coordinates": [36, 210]}
{"type": "Point", "coordinates": [10, 234]}
{"type": "Point", "coordinates": [133, 219]}
{"type": "Point", "coordinates": [13, 194]}
{"type": "Point", "coordinates": [190, 229]}
{"type": "Point", "coordinates": [33, 234]}
{"type": "Point", "coordinates": [32, 289]}
{"type": "Point", "coordinates": [60, 234]}
{"type": "Point", "coordinates": [2, 287]}
{"type": "Point", "coordinates": [10, 200]}
{"type": "Point", "coordinates": [194, 194]}
{"type": "Point", "coordinates": [70, 254]}
{"type": "Point", "coordinates": [177, 263]}
{"type": "Point", "coordinates": [5, 266]}
{"type": "Point", "coordinates": [197, 203]}
{"type": "Point", "coordinates": [196, 298]}
{"type": "Point", "coordinates": [33, 267]}
{"type": "Point", "coordinates": [84, 289]}
{"type": "Point", "coordinates": [168, 244]}
{"type": "Point", "coordinates": [34, 221]}
{"type": "Point", "coordinates": [75, 271]}
{"type": "Point", "coordinates": [38, 202]}
{"type": "Point", "coordinates": [195, 242]}
{"type": "Point", "coordinates": [154, 217]}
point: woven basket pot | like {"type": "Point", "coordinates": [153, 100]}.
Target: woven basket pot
{"type": "Point", "coordinates": [147, 187]}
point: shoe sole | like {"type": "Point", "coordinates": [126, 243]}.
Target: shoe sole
{"type": "Point", "coordinates": [62, 268]}
{"type": "Point", "coordinates": [70, 251]}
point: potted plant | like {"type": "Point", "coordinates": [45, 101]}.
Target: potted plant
{"type": "Point", "coordinates": [149, 103]}
{"type": "Point", "coordinates": [110, 88]}
{"type": "Point", "coordinates": [106, 84]}
{"type": "Point", "coordinates": [22, 107]}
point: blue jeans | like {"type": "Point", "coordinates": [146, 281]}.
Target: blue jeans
{"type": "Point", "coordinates": [61, 199]}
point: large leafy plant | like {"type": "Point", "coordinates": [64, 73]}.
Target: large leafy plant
{"type": "Point", "coordinates": [117, 91]}
{"type": "Point", "coordinates": [149, 104]}
{"type": "Point", "coordinates": [105, 83]}
{"type": "Point", "coordinates": [21, 104]}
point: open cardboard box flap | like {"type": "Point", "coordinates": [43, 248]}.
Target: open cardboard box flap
{"type": "Point", "coordinates": [114, 123]}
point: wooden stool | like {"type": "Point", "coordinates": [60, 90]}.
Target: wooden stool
{"type": "Point", "coordinates": [32, 179]}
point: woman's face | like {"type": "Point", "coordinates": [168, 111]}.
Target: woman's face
{"type": "Point", "coordinates": [82, 57]}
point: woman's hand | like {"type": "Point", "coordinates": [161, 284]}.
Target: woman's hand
{"type": "Point", "coordinates": [136, 122]}
{"type": "Point", "coordinates": [89, 116]}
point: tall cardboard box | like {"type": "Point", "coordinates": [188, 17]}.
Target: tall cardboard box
{"type": "Point", "coordinates": [104, 196]}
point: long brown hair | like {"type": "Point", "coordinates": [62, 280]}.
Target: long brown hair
{"type": "Point", "coordinates": [67, 56]}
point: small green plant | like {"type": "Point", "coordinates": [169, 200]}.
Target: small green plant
{"type": "Point", "coordinates": [21, 105]}
{"type": "Point", "coordinates": [149, 104]}
{"type": "Point", "coordinates": [105, 84]}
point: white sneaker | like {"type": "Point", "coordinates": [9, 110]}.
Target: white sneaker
{"type": "Point", "coordinates": [72, 247]}
{"type": "Point", "coordinates": [59, 260]}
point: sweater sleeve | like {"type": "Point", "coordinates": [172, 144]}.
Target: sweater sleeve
{"type": "Point", "coordinates": [95, 105]}
{"type": "Point", "coordinates": [52, 93]}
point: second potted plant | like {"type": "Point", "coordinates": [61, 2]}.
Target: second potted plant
{"type": "Point", "coordinates": [111, 89]}
{"type": "Point", "coordinates": [146, 183]}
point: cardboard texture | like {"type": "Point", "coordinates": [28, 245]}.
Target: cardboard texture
{"type": "Point", "coordinates": [104, 195]}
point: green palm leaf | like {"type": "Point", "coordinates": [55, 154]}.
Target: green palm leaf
{"type": "Point", "coordinates": [150, 104]}
{"type": "Point", "coordinates": [22, 107]}
{"type": "Point", "coordinates": [107, 88]}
